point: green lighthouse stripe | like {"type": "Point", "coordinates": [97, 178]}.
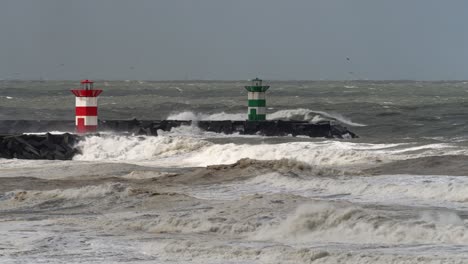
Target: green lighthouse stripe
{"type": "Point", "coordinates": [257, 117]}
{"type": "Point", "coordinates": [257, 103]}
{"type": "Point", "coordinates": [259, 110]}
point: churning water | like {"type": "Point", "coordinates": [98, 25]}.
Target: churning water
{"type": "Point", "coordinates": [397, 194]}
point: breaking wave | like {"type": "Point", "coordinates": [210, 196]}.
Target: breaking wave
{"type": "Point", "coordinates": [55, 197]}
{"type": "Point", "coordinates": [188, 151]}
{"type": "Point", "coordinates": [300, 114]}
{"type": "Point", "coordinates": [328, 153]}
{"type": "Point", "coordinates": [211, 117]}
{"type": "Point", "coordinates": [353, 224]}
{"type": "Point", "coordinates": [131, 148]}
{"type": "Point", "coordinates": [313, 116]}
{"type": "Point", "coordinates": [448, 191]}
{"type": "Point", "coordinates": [193, 152]}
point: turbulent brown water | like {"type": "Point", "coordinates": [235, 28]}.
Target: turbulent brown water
{"type": "Point", "coordinates": [395, 195]}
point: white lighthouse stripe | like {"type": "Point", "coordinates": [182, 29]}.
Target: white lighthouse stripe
{"type": "Point", "coordinates": [86, 101]}
{"type": "Point", "coordinates": [260, 110]}
{"type": "Point", "coordinates": [88, 120]}
{"type": "Point", "coordinates": [256, 96]}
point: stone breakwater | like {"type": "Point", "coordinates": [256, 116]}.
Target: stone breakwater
{"type": "Point", "coordinates": [46, 146]}
{"type": "Point", "coordinates": [148, 127]}
{"type": "Point", "coordinates": [15, 144]}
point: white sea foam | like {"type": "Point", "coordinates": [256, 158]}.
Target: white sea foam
{"type": "Point", "coordinates": [189, 151]}
{"type": "Point", "coordinates": [443, 191]}
{"type": "Point", "coordinates": [54, 132]}
{"type": "Point", "coordinates": [311, 116]}
{"type": "Point", "coordinates": [175, 223]}
{"type": "Point", "coordinates": [183, 149]}
{"type": "Point", "coordinates": [328, 153]}
{"type": "Point", "coordinates": [199, 252]}
{"type": "Point", "coordinates": [200, 116]}
{"type": "Point", "coordinates": [300, 114]}
{"type": "Point", "coordinates": [11, 164]}
{"type": "Point", "coordinates": [194, 131]}
{"type": "Point", "coordinates": [328, 222]}
{"type": "Point", "coordinates": [133, 148]}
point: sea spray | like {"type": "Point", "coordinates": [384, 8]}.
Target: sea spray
{"type": "Point", "coordinates": [313, 116]}
{"type": "Point", "coordinates": [300, 114]}
{"type": "Point", "coordinates": [187, 115]}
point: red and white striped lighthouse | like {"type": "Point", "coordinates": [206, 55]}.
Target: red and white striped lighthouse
{"type": "Point", "coordinates": [86, 107]}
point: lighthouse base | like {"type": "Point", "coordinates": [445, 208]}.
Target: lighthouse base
{"type": "Point", "coordinates": [86, 129]}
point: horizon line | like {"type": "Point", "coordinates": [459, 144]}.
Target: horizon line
{"type": "Point", "coordinates": [239, 80]}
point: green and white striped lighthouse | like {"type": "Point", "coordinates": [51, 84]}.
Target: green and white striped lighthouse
{"type": "Point", "coordinates": [256, 100]}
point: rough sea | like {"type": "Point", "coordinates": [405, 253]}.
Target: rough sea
{"type": "Point", "coordinates": [397, 194]}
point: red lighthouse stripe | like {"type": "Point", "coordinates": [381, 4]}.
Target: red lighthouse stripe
{"type": "Point", "coordinates": [86, 110]}
{"type": "Point", "coordinates": [82, 128]}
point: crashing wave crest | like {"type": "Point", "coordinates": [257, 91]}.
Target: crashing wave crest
{"type": "Point", "coordinates": [340, 223]}
{"type": "Point", "coordinates": [300, 114]}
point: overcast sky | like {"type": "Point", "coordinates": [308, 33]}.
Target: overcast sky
{"type": "Point", "coordinates": [234, 39]}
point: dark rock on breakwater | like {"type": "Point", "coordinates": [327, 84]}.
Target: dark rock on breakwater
{"type": "Point", "coordinates": [46, 146]}
{"type": "Point", "coordinates": [14, 144]}
{"type": "Point", "coordinates": [148, 127]}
